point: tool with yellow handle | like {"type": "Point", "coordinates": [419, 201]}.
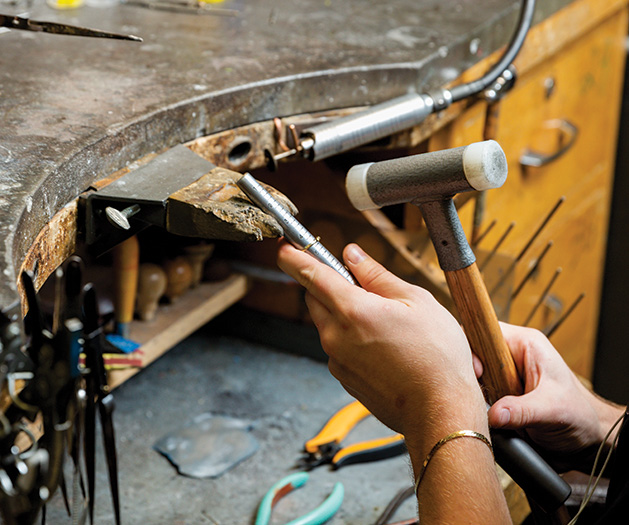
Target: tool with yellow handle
{"type": "Point", "coordinates": [126, 258]}
{"type": "Point", "coordinates": [326, 447]}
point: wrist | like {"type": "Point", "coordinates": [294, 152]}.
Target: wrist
{"type": "Point", "coordinates": [454, 456]}
{"type": "Point", "coordinates": [441, 416]}
{"type": "Point", "coordinates": [609, 414]}
{"type": "Point", "coordinates": [601, 440]}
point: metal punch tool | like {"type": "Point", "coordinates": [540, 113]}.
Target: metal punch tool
{"type": "Point", "coordinates": [26, 24]}
{"type": "Point", "coordinates": [295, 232]}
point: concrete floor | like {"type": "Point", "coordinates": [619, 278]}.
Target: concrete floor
{"type": "Point", "coordinates": [287, 396]}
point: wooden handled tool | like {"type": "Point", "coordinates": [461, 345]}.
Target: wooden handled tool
{"type": "Point", "coordinates": [480, 323]}
{"type": "Point", "coordinates": [126, 257]}
{"type": "Point", "coordinates": [430, 181]}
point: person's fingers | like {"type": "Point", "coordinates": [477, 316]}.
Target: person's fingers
{"type": "Point", "coordinates": [523, 342]}
{"type": "Point", "coordinates": [528, 410]}
{"type": "Point", "coordinates": [516, 339]}
{"type": "Point", "coordinates": [372, 276]}
{"type": "Point", "coordinates": [318, 311]}
{"type": "Point", "coordinates": [318, 279]}
{"type": "Point", "coordinates": [478, 366]}
{"type": "Point", "coordinates": [532, 353]}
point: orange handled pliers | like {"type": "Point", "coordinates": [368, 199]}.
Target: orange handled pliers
{"type": "Point", "coordinates": [326, 446]}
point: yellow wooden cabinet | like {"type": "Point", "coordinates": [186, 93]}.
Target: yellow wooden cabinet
{"type": "Point", "coordinates": [563, 113]}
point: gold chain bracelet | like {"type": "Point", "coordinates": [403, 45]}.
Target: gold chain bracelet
{"type": "Point", "coordinates": [443, 441]}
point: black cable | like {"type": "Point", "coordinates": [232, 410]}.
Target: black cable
{"type": "Point", "coordinates": [394, 504]}
{"type": "Point", "coordinates": [476, 86]}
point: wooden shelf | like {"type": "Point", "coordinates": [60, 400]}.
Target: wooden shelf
{"type": "Point", "coordinates": [176, 321]}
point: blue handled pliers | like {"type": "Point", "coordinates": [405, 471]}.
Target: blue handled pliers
{"type": "Point", "coordinates": [317, 516]}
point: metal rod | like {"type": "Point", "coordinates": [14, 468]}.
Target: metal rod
{"type": "Point", "coordinates": [479, 212]}
{"type": "Point", "coordinates": [295, 232]}
{"type": "Point", "coordinates": [494, 250]}
{"type": "Point", "coordinates": [551, 330]}
{"type": "Point", "coordinates": [528, 245]}
{"type": "Point", "coordinates": [295, 136]}
{"type": "Point", "coordinates": [285, 154]}
{"type": "Point", "coordinates": [120, 218]}
{"type": "Point", "coordinates": [543, 296]}
{"type": "Point", "coordinates": [277, 123]}
{"type": "Point", "coordinates": [533, 269]}
{"type": "Point", "coordinates": [540, 227]}
{"type": "Point", "coordinates": [484, 234]}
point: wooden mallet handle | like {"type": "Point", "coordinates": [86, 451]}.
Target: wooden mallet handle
{"type": "Point", "coordinates": [126, 256]}
{"type": "Point", "coordinates": [478, 317]}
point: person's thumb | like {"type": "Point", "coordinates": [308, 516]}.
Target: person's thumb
{"type": "Point", "coordinates": [516, 412]}
{"type": "Point", "coordinates": [371, 275]}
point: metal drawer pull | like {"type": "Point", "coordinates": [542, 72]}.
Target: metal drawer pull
{"type": "Point", "coordinates": [568, 136]}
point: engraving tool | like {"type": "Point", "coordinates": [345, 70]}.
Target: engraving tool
{"type": "Point", "coordinates": [26, 24]}
{"type": "Point", "coordinates": [295, 232]}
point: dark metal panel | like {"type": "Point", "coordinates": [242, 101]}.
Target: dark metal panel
{"type": "Point", "coordinates": [611, 363]}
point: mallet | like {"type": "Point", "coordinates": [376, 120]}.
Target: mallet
{"type": "Point", "coordinates": [430, 180]}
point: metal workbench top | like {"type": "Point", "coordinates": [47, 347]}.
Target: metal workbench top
{"type": "Point", "coordinates": [76, 109]}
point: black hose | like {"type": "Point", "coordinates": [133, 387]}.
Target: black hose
{"type": "Point", "coordinates": [394, 504]}
{"type": "Point", "coordinates": [476, 86]}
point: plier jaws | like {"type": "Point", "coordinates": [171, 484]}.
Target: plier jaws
{"type": "Point", "coordinates": [326, 446]}
{"type": "Point", "coordinates": [317, 516]}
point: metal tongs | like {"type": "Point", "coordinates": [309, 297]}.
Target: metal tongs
{"type": "Point", "coordinates": [26, 24]}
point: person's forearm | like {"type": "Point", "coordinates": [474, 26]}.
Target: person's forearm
{"type": "Point", "coordinates": [460, 483]}
{"type": "Point", "coordinates": [406, 358]}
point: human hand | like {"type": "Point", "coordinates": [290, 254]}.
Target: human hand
{"type": "Point", "coordinates": [390, 344]}
{"type": "Point", "coordinates": [557, 411]}
{"type": "Point", "coordinates": [399, 352]}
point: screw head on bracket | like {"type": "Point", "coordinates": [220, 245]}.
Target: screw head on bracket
{"type": "Point", "coordinates": [120, 218]}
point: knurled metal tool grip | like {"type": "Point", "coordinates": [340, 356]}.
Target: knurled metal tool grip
{"type": "Point", "coordinates": [295, 232]}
